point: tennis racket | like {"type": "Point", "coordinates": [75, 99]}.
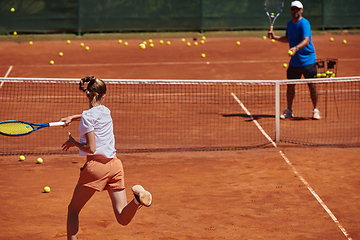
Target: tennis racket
{"type": "Point", "coordinates": [20, 128]}
{"type": "Point", "coordinates": [273, 8]}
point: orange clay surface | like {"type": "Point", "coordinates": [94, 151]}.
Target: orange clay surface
{"type": "Point", "coordinates": [249, 194]}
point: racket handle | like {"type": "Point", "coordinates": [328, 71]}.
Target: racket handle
{"type": "Point", "coordinates": [54, 124]}
{"type": "Point", "coordinates": [271, 28]}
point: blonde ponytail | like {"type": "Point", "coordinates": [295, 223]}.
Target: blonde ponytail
{"type": "Point", "coordinates": [95, 89]}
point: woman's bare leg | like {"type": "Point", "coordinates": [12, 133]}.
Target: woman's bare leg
{"type": "Point", "coordinates": [124, 212]}
{"type": "Point", "coordinates": [80, 197]}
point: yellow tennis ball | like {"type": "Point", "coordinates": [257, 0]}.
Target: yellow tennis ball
{"type": "Point", "coordinates": [31, 43]}
{"type": "Point", "coordinates": [202, 41]}
{"type": "Point", "coordinates": [203, 55]}
{"type": "Point", "coordinates": [52, 62]}
{"type": "Point", "coordinates": [15, 33]}
{"type": "Point", "coordinates": [150, 40]}
{"type": "Point", "coordinates": [12, 9]}
{"type": "Point", "coordinates": [331, 39]}
{"type": "Point", "coordinates": [318, 75]}
{"type": "Point", "coordinates": [168, 42]}
{"type": "Point", "coordinates": [290, 52]}
{"type": "Point", "coordinates": [68, 41]}
{"type": "Point", "coordinates": [203, 37]}
{"type": "Point", "coordinates": [126, 43]}
{"type": "Point", "coordinates": [47, 189]}
{"type": "Point", "coordinates": [120, 41]}
{"type": "Point", "coordinates": [264, 37]}
{"type": "Point", "coordinates": [183, 39]}
{"type": "Point", "coordinates": [82, 44]}
{"type": "Point", "coordinates": [285, 65]}
{"type": "Point", "coordinates": [142, 46]}
{"type": "Point", "coordinates": [238, 43]}
{"type": "Point", "coordinates": [39, 161]}
{"type": "Point", "coordinates": [22, 158]}
{"type": "Point", "coordinates": [161, 41]}
{"type": "Point", "coordinates": [61, 54]}
{"type": "Point", "coordinates": [344, 41]}
{"type": "Point", "coordinates": [87, 48]}
{"type": "Point", "coordinates": [195, 43]}
{"type": "Point", "coordinates": [273, 40]}
{"type": "Point", "coordinates": [188, 43]}
{"type": "Point", "coordinates": [151, 45]}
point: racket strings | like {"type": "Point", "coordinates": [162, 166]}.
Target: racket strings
{"type": "Point", "coordinates": [14, 128]}
{"type": "Point", "coordinates": [273, 7]}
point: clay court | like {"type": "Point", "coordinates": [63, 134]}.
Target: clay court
{"type": "Point", "coordinates": [262, 193]}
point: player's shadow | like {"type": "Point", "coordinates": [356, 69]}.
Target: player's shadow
{"type": "Point", "coordinates": [255, 117]}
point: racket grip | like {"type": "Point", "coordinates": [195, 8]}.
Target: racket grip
{"type": "Point", "coordinates": [54, 124]}
{"type": "Point", "coordinates": [271, 28]}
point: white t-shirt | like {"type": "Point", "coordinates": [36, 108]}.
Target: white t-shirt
{"type": "Point", "coordinates": [98, 119]}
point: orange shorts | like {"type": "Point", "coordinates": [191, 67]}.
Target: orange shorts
{"type": "Point", "coordinates": [102, 173]}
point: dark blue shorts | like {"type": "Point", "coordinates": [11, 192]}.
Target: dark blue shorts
{"type": "Point", "coordinates": [309, 71]}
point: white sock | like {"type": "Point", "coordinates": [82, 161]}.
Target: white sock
{"type": "Point", "coordinates": [136, 202]}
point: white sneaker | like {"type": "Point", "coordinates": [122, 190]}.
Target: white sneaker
{"type": "Point", "coordinates": [316, 114]}
{"type": "Point", "coordinates": [142, 196]}
{"type": "Point", "coordinates": [287, 114]}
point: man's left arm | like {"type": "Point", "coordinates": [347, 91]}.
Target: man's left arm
{"type": "Point", "coordinates": [301, 45]}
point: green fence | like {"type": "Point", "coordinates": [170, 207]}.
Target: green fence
{"type": "Point", "coordinates": [82, 16]}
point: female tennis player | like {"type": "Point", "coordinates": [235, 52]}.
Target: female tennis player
{"type": "Point", "coordinates": [102, 170]}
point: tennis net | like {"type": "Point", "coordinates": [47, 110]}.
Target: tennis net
{"type": "Point", "coordinates": [184, 115]}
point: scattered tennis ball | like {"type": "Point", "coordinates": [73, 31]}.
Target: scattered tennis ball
{"type": "Point", "coordinates": [31, 43]}
{"type": "Point", "coordinates": [126, 43]}
{"type": "Point", "coordinates": [151, 45]}
{"type": "Point", "coordinates": [142, 46]}
{"type": "Point", "coordinates": [264, 37]}
{"type": "Point", "coordinates": [203, 55]}
{"type": "Point", "coordinates": [12, 9]}
{"type": "Point", "coordinates": [22, 158]}
{"type": "Point", "coordinates": [52, 62]}
{"type": "Point", "coordinates": [87, 48]}
{"type": "Point", "coordinates": [39, 161]}
{"type": "Point", "coordinates": [189, 44]}
{"type": "Point", "coordinates": [47, 189]}
{"type": "Point", "coordinates": [203, 37]}
{"type": "Point", "coordinates": [183, 39]}
{"type": "Point", "coordinates": [344, 41]}
{"type": "Point", "coordinates": [273, 40]}
{"type": "Point", "coordinates": [238, 43]}
{"type": "Point", "coordinates": [150, 40]}
{"type": "Point", "coordinates": [290, 52]}
{"type": "Point", "coordinates": [161, 41]}
{"type": "Point", "coordinates": [285, 65]}
{"type": "Point", "coordinates": [15, 33]}
{"type": "Point", "coordinates": [195, 43]}
{"type": "Point", "coordinates": [168, 42]}
{"type": "Point", "coordinates": [144, 42]}
{"type": "Point", "coordinates": [61, 54]}
{"type": "Point", "coordinates": [202, 41]}
{"type": "Point", "coordinates": [68, 41]}
{"type": "Point", "coordinates": [82, 44]}
{"type": "Point", "coordinates": [331, 39]}
{"type": "Point", "coordinates": [120, 41]}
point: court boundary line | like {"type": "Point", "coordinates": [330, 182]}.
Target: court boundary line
{"type": "Point", "coordinates": [312, 191]}
{"type": "Point", "coordinates": [6, 75]}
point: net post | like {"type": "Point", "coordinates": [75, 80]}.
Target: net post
{"type": "Point", "coordinates": [277, 111]}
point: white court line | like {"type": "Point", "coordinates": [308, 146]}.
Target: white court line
{"type": "Point", "coordinates": [170, 63]}
{"type": "Point", "coordinates": [6, 75]}
{"type": "Point", "coordinates": [295, 171]}
{"type": "Point", "coordinates": [252, 118]}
